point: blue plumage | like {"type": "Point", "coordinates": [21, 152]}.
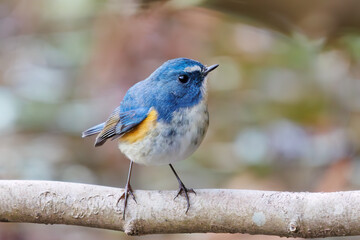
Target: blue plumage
{"type": "Point", "coordinates": [163, 91]}
{"type": "Point", "coordinates": [162, 119]}
{"type": "Point", "coordinates": [118, 124]}
{"type": "Point", "coordinates": [130, 119]}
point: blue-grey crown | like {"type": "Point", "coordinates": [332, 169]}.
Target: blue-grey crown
{"type": "Point", "coordinates": [178, 64]}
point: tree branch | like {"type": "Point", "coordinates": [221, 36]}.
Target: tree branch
{"type": "Point", "coordinates": [287, 214]}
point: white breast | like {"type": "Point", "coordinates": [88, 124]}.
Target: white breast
{"type": "Point", "coordinates": [170, 142]}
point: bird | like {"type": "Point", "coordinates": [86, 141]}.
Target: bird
{"type": "Point", "coordinates": [161, 120]}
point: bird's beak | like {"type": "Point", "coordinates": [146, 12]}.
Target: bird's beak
{"type": "Point", "coordinates": [209, 69]}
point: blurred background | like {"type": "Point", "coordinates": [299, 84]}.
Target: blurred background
{"type": "Point", "coordinates": [284, 103]}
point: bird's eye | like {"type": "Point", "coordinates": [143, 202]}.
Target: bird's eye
{"type": "Point", "coordinates": [183, 78]}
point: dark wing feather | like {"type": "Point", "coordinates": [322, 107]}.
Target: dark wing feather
{"type": "Point", "coordinates": [119, 123]}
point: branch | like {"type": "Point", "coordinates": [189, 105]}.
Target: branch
{"type": "Point", "coordinates": [287, 214]}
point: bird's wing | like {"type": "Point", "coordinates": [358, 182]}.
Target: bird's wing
{"type": "Point", "coordinates": [120, 123]}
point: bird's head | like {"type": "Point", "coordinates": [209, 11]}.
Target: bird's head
{"type": "Point", "coordinates": [181, 81]}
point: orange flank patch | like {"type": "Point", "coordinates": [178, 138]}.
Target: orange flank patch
{"type": "Point", "coordinates": [141, 130]}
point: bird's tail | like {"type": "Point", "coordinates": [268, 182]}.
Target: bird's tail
{"type": "Point", "coordinates": [93, 130]}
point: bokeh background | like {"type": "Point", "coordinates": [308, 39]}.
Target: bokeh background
{"type": "Point", "coordinates": [284, 103]}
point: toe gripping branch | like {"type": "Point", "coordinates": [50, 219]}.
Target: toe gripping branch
{"type": "Point", "coordinates": [128, 190]}
{"type": "Point", "coordinates": [182, 189]}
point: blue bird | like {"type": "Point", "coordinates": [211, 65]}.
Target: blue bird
{"type": "Point", "coordinates": [161, 120]}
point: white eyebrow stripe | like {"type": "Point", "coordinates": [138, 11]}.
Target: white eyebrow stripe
{"type": "Point", "coordinates": [192, 69]}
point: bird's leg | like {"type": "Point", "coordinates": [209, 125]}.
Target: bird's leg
{"type": "Point", "coordinates": [128, 190]}
{"type": "Point", "coordinates": [183, 189]}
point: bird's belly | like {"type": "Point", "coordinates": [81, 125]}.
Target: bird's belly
{"type": "Point", "coordinates": [170, 142]}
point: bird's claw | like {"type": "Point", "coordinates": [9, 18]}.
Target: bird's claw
{"type": "Point", "coordinates": [128, 191]}
{"type": "Point", "coordinates": [181, 191]}
{"type": "Point", "coordinates": [185, 191]}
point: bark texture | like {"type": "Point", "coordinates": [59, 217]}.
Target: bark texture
{"type": "Point", "coordinates": [287, 214]}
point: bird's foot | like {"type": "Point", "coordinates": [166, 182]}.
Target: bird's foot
{"type": "Point", "coordinates": [185, 191]}
{"type": "Point", "coordinates": [128, 191]}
